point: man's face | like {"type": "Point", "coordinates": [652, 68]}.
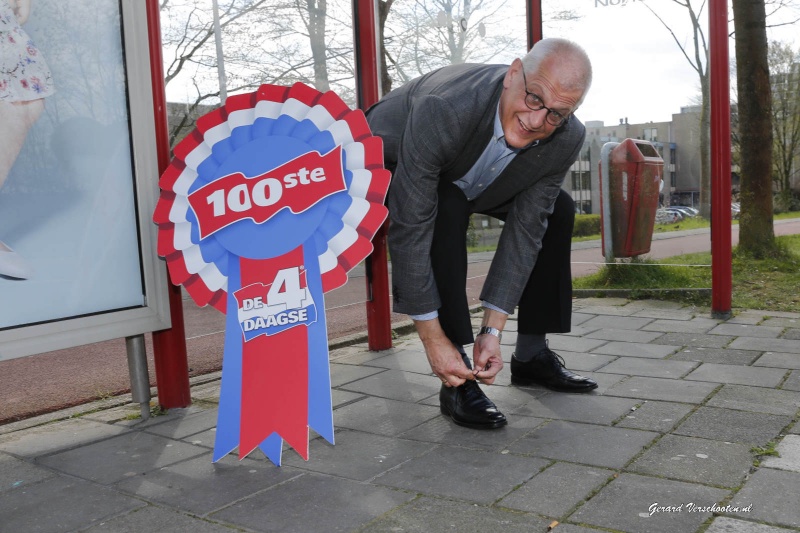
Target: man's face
{"type": "Point", "coordinates": [521, 124]}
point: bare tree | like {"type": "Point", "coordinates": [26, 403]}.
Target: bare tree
{"type": "Point", "coordinates": [784, 68]}
{"type": "Point", "coordinates": [697, 56]}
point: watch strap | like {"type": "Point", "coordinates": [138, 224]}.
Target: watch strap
{"type": "Point", "coordinates": [486, 330]}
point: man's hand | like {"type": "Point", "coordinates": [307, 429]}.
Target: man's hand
{"type": "Point", "coordinates": [445, 360]}
{"type": "Point", "coordinates": [486, 357]}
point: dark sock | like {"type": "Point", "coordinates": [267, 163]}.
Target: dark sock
{"type": "Point", "coordinates": [528, 345]}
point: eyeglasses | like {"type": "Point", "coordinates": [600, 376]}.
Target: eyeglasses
{"type": "Point", "coordinates": [535, 103]}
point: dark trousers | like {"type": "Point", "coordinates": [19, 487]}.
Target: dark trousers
{"type": "Point", "coordinates": [546, 302]}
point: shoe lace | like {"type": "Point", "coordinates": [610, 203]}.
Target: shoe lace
{"type": "Point", "coordinates": [557, 360]}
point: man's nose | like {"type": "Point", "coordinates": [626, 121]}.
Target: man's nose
{"type": "Point", "coordinates": [536, 119]}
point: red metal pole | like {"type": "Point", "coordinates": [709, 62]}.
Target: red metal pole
{"type": "Point", "coordinates": [721, 269]}
{"type": "Point", "coordinates": [169, 346]}
{"type": "Point", "coordinates": [379, 319]}
{"type": "Point", "coordinates": [533, 10]}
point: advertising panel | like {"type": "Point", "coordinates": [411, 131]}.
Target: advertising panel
{"type": "Point", "coordinates": [78, 176]}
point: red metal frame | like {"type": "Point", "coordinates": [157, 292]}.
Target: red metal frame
{"type": "Point", "coordinates": [721, 268]}
{"type": "Point", "coordinates": [169, 346]}
{"type": "Point", "coordinates": [533, 11]}
{"type": "Point", "coordinates": [379, 319]}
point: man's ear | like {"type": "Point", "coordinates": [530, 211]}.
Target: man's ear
{"type": "Point", "coordinates": [512, 72]}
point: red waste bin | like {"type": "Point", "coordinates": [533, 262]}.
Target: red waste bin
{"type": "Point", "coordinates": [629, 196]}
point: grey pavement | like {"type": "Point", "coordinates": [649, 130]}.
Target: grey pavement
{"type": "Point", "coordinates": [694, 428]}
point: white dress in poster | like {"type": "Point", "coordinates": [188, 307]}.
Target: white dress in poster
{"type": "Point", "coordinates": [68, 232]}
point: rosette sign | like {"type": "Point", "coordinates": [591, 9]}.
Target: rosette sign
{"type": "Point", "coordinates": [266, 206]}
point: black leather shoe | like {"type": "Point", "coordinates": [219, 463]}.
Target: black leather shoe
{"type": "Point", "coordinates": [547, 369]}
{"type": "Point", "coordinates": [468, 406]}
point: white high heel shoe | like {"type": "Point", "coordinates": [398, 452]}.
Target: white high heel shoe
{"type": "Point", "coordinates": [12, 264]}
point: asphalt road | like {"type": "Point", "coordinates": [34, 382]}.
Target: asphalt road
{"type": "Point", "coordinates": [55, 380]}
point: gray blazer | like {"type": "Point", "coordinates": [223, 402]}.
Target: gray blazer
{"type": "Point", "coordinates": [434, 128]}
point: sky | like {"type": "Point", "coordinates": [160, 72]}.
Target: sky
{"type": "Point", "coordinates": [639, 71]}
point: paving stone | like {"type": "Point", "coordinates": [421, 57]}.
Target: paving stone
{"type": "Point", "coordinates": [792, 383]}
{"type": "Point", "coordinates": [789, 455]}
{"type": "Point", "coordinates": [357, 455]}
{"type": "Point", "coordinates": [383, 416]}
{"type": "Point", "coordinates": [16, 473]}
{"type": "Point", "coordinates": [746, 319]}
{"type": "Point", "coordinates": [343, 397]}
{"type": "Point", "coordinates": [669, 390]}
{"type": "Point", "coordinates": [773, 497]}
{"type": "Point", "coordinates": [442, 430]}
{"type": "Point", "coordinates": [779, 360]}
{"type": "Point", "coordinates": [406, 360]}
{"type": "Point", "coordinates": [724, 524]}
{"type": "Point", "coordinates": [758, 399]}
{"type": "Point", "coordinates": [472, 475]}
{"type": "Point", "coordinates": [698, 340]}
{"type": "Point", "coordinates": [60, 504]}
{"type": "Point", "coordinates": [791, 334]}
{"type": "Point", "coordinates": [201, 486]}
{"type": "Point", "coordinates": [753, 429]}
{"type": "Point", "coordinates": [342, 374]}
{"type": "Point", "coordinates": [577, 318]}
{"type": "Point", "coordinates": [696, 460]}
{"type": "Point", "coordinates": [557, 490]}
{"type": "Point", "coordinates": [588, 444]}
{"type": "Point", "coordinates": [657, 368]}
{"type": "Point", "coordinates": [630, 503]}
{"type": "Point", "coordinates": [588, 408]}
{"type": "Point", "coordinates": [740, 375]}
{"type": "Point", "coordinates": [782, 322]}
{"type": "Point", "coordinates": [746, 330]}
{"type": "Point", "coordinates": [584, 362]}
{"type": "Point", "coordinates": [397, 385]}
{"type": "Point", "coordinates": [566, 343]}
{"type": "Point", "coordinates": [129, 454]}
{"type": "Point", "coordinates": [694, 325]}
{"type": "Point", "coordinates": [56, 436]}
{"type": "Point", "coordinates": [724, 356]}
{"type": "Point", "coordinates": [671, 314]}
{"type": "Point", "coordinates": [157, 519]}
{"type": "Point", "coordinates": [186, 426]}
{"type": "Point", "coordinates": [766, 345]}
{"type": "Point", "coordinates": [338, 505]}
{"type": "Point", "coordinates": [617, 322]}
{"type": "Point", "coordinates": [626, 335]}
{"type": "Point", "coordinates": [637, 349]}
{"type": "Point", "coordinates": [655, 416]}
{"type": "Point", "coordinates": [425, 515]}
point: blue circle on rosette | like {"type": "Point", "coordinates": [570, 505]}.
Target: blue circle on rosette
{"type": "Point", "coordinates": [285, 231]}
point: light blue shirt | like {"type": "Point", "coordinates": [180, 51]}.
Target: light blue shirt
{"type": "Point", "coordinates": [494, 159]}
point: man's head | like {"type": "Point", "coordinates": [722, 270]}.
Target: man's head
{"type": "Point", "coordinates": [542, 90]}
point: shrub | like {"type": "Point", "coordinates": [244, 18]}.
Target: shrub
{"type": "Point", "coordinates": [586, 225]}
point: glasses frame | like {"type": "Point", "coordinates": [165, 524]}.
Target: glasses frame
{"type": "Point", "coordinates": [559, 117]}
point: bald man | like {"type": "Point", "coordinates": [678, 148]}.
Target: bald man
{"type": "Point", "coordinates": [496, 140]}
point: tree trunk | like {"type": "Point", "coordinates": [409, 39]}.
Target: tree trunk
{"type": "Point", "coordinates": [317, 10]}
{"type": "Point", "coordinates": [756, 233]}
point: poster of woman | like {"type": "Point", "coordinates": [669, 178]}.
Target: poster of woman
{"type": "Point", "coordinates": [70, 232]}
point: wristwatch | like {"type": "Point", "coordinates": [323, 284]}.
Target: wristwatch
{"type": "Point", "coordinates": [486, 330]}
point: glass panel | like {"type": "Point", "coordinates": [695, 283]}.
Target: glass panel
{"type": "Point", "coordinates": [67, 207]}
{"type": "Point", "coordinates": [261, 41]}
{"type": "Point", "coordinates": [424, 35]}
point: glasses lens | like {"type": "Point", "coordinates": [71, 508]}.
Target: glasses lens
{"type": "Point", "coordinates": [555, 119]}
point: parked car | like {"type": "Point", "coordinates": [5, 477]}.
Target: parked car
{"type": "Point", "coordinates": [667, 217]}
{"type": "Point", "coordinates": [688, 211]}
